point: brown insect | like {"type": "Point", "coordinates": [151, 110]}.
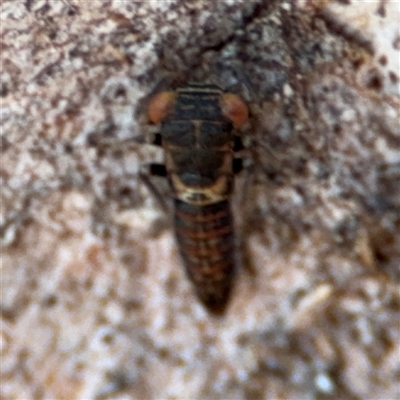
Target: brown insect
{"type": "Point", "coordinates": [197, 135]}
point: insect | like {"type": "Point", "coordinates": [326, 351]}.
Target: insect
{"type": "Point", "coordinates": [198, 137]}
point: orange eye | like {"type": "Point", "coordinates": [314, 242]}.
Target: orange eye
{"type": "Point", "coordinates": [235, 109]}
{"type": "Point", "coordinates": [160, 106]}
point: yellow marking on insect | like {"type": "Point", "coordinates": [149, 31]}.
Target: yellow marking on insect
{"type": "Point", "coordinates": [201, 196]}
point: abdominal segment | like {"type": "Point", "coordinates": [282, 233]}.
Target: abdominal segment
{"type": "Point", "coordinates": [206, 242]}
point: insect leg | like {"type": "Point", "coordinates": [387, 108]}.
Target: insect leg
{"type": "Point", "coordinates": [237, 165]}
{"type": "Point", "coordinates": [148, 170]}
{"type": "Point", "coordinates": [157, 170]}
{"type": "Point", "coordinates": [237, 143]}
{"type": "Point", "coordinates": [157, 139]}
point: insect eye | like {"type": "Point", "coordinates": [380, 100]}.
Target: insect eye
{"type": "Point", "coordinates": [234, 108]}
{"type": "Point", "coordinates": [160, 106]}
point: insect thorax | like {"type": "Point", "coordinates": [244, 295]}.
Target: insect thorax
{"type": "Point", "coordinates": [198, 143]}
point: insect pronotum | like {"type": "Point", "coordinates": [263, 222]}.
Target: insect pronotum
{"type": "Point", "coordinates": [197, 135]}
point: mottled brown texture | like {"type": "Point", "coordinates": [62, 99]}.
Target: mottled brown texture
{"type": "Point", "coordinates": [205, 238]}
{"type": "Point", "coordinates": [94, 302]}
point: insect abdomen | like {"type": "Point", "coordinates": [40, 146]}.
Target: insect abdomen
{"type": "Point", "coordinates": [206, 242]}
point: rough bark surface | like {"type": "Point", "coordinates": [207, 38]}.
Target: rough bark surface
{"type": "Point", "coordinates": [94, 301]}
